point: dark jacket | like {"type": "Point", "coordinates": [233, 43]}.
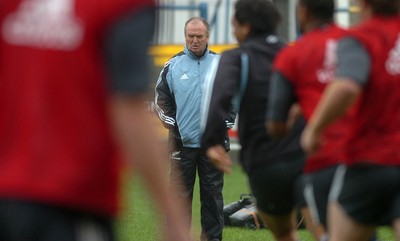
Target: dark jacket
{"type": "Point", "coordinates": [258, 149]}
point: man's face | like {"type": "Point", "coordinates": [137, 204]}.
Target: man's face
{"type": "Point", "coordinates": [196, 37]}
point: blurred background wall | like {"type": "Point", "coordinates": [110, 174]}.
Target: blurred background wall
{"type": "Point", "coordinates": [172, 14]}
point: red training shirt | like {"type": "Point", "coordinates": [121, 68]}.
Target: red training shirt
{"type": "Point", "coordinates": [375, 133]}
{"type": "Point", "coordinates": [55, 138]}
{"type": "Point", "coordinates": [309, 65]}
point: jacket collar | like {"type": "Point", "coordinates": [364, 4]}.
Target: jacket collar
{"type": "Point", "coordinates": [193, 56]}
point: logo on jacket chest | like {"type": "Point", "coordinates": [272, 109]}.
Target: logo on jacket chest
{"type": "Point", "coordinates": [184, 77]}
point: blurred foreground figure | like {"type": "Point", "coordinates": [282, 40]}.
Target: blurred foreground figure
{"type": "Point", "coordinates": [242, 77]}
{"type": "Point", "coordinates": [365, 192]}
{"type": "Point", "coordinates": [302, 71]}
{"type": "Point", "coordinates": [73, 79]}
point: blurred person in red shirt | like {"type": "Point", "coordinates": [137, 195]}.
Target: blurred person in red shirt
{"type": "Point", "coordinates": [73, 79]}
{"type": "Point", "coordinates": [301, 73]}
{"type": "Point", "coordinates": [365, 192]}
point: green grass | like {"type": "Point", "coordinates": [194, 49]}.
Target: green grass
{"type": "Point", "coordinates": [139, 221]}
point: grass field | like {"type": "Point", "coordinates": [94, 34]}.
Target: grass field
{"type": "Point", "coordinates": [139, 221]}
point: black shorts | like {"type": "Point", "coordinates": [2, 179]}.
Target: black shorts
{"type": "Point", "coordinates": [273, 186]}
{"type": "Point", "coordinates": [26, 221]}
{"type": "Point", "coordinates": [312, 191]}
{"type": "Point", "coordinates": [299, 186]}
{"type": "Point", "coordinates": [369, 193]}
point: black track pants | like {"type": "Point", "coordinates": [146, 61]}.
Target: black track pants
{"type": "Point", "coordinates": [183, 175]}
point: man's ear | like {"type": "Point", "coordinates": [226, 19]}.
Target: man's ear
{"type": "Point", "coordinates": [366, 9]}
{"type": "Point", "coordinates": [302, 12]}
{"type": "Point", "coordinates": [362, 4]}
{"type": "Point", "coordinates": [247, 29]}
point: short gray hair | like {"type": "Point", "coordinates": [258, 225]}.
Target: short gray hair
{"type": "Point", "coordinates": [198, 19]}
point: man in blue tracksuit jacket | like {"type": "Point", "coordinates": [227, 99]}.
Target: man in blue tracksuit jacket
{"type": "Point", "coordinates": [178, 98]}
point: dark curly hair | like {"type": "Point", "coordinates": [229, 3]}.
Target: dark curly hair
{"type": "Point", "coordinates": [320, 9]}
{"type": "Point", "coordinates": [385, 7]}
{"type": "Point", "coordinates": [261, 15]}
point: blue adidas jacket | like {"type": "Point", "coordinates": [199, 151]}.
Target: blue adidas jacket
{"type": "Point", "coordinates": [178, 97]}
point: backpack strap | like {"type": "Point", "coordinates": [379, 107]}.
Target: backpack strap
{"type": "Point", "coordinates": [237, 99]}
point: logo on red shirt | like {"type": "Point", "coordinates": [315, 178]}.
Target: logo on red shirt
{"type": "Point", "coordinates": [393, 62]}
{"type": "Point", "coordinates": [44, 24]}
{"type": "Point", "coordinates": [327, 72]}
